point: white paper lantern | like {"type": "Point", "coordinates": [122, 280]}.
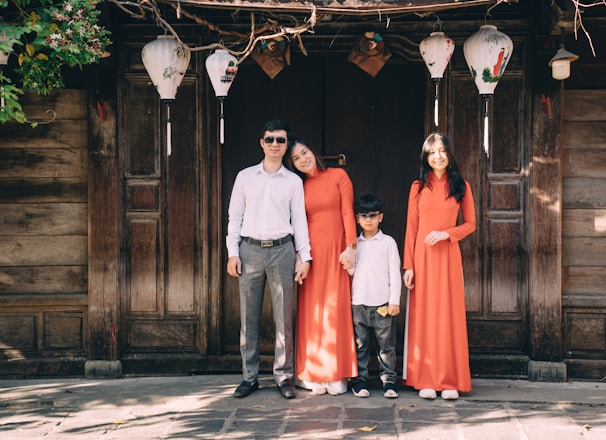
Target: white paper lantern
{"type": "Point", "coordinates": [487, 53]}
{"type": "Point", "coordinates": [166, 61]}
{"type": "Point", "coordinates": [222, 68]}
{"type": "Point", "coordinates": [436, 50]}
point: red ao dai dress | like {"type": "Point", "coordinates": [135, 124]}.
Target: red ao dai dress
{"type": "Point", "coordinates": [326, 350]}
{"type": "Point", "coordinates": [436, 353]}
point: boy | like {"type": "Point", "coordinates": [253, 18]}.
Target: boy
{"type": "Point", "coordinates": [375, 296]}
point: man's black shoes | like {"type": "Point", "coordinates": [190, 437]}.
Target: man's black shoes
{"type": "Point", "coordinates": [245, 388]}
{"type": "Point", "coordinates": [287, 389]}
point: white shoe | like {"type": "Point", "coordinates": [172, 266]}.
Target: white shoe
{"type": "Point", "coordinates": [450, 394]}
{"type": "Point", "coordinates": [319, 391]}
{"type": "Point", "coordinates": [336, 387]}
{"type": "Point", "coordinates": [390, 394]}
{"type": "Point", "coordinates": [428, 393]}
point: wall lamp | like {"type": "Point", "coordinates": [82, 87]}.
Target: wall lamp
{"type": "Point", "coordinates": [560, 63]}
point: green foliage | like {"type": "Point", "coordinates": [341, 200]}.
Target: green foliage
{"type": "Point", "coordinates": [45, 37]}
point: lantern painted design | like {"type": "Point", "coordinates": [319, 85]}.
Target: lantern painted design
{"type": "Point", "coordinates": [487, 53]}
{"type": "Point", "coordinates": [222, 68]}
{"type": "Point", "coordinates": [436, 50]}
{"type": "Point", "coordinates": [166, 61]}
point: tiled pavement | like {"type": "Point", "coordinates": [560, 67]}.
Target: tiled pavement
{"type": "Point", "coordinates": [203, 407]}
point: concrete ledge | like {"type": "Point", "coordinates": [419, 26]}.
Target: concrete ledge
{"type": "Point", "coordinates": [540, 371]}
{"type": "Point", "coordinates": [102, 369]}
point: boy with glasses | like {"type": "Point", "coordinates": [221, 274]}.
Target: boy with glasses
{"type": "Point", "coordinates": [267, 222]}
{"type": "Point", "coordinates": [375, 297]}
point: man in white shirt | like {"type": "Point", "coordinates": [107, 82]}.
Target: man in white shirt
{"type": "Point", "coordinates": [266, 212]}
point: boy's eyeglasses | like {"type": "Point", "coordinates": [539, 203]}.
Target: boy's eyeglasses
{"type": "Point", "coordinates": [368, 214]}
{"type": "Point", "coordinates": [271, 139]}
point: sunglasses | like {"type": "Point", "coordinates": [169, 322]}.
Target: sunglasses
{"type": "Point", "coordinates": [271, 139]}
{"type": "Point", "coordinates": [368, 214]}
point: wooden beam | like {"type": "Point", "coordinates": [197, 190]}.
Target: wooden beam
{"type": "Point", "coordinates": [545, 244]}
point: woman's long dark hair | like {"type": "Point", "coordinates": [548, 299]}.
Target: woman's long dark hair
{"type": "Point", "coordinates": [456, 182]}
{"type": "Point", "coordinates": [320, 164]}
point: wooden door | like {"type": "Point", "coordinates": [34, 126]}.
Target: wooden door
{"type": "Point", "coordinates": [376, 123]}
{"type": "Point", "coordinates": [161, 270]}
{"type": "Point", "coordinates": [496, 256]}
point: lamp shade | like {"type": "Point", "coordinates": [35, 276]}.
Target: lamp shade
{"type": "Point", "coordinates": [166, 60]}
{"type": "Point", "coordinates": [221, 67]}
{"type": "Point", "coordinates": [436, 51]}
{"type": "Point", "coordinates": [3, 37]}
{"type": "Point", "coordinates": [560, 63]}
{"type": "Point", "coordinates": [487, 53]}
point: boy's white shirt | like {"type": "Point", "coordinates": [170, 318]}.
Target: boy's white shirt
{"type": "Point", "coordinates": [376, 276]}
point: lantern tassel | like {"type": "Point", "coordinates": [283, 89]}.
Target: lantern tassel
{"type": "Point", "coordinates": [435, 106]}
{"type": "Point", "coordinates": [168, 131]}
{"type": "Point", "coordinates": [486, 148]}
{"type": "Point", "coordinates": [221, 124]}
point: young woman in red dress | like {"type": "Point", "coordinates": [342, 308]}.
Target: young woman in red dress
{"type": "Point", "coordinates": [325, 354]}
{"type": "Point", "coordinates": [436, 355]}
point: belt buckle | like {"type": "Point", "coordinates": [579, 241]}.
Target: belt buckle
{"type": "Point", "coordinates": [267, 243]}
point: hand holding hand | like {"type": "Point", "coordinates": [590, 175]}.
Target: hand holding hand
{"type": "Point", "coordinates": [409, 275]}
{"type": "Point", "coordinates": [348, 258]}
{"type": "Point", "coordinates": [302, 271]}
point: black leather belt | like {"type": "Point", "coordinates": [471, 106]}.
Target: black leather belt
{"type": "Point", "coordinates": [268, 243]}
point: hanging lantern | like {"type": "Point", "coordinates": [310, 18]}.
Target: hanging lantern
{"type": "Point", "coordinates": [487, 53]}
{"type": "Point", "coordinates": [166, 60]}
{"type": "Point", "coordinates": [221, 67]}
{"type": "Point", "coordinates": [3, 55]}
{"type": "Point", "coordinates": [436, 51]}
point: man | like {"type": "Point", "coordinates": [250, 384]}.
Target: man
{"type": "Point", "coordinates": [266, 210]}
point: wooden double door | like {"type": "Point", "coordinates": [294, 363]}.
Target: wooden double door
{"type": "Point", "coordinates": [179, 310]}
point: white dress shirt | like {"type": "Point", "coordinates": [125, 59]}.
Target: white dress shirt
{"type": "Point", "coordinates": [267, 207]}
{"type": "Point", "coordinates": [377, 278]}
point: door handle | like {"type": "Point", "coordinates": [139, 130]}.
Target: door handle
{"type": "Point", "coordinates": [340, 158]}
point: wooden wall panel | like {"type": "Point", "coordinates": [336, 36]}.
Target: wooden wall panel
{"type": "Point", "coordinates": [584, 222]}
{"type": "Point", "coordinates": [43, 279]}
{"type": "Point", "coordinates": [18, 331]}
{"type": "Point", "coordinates": [40, 162]}
{"type": "Point", "coordinates": [585, 106]}
{"type": "Point", "coordinates": [43, 190]}
{"type": "Point", "coordinates": [182, 200]}
{"type": "Point", "coordinates": [505, 267]}
{"type": "Point", "coordinates": [163, 334]}
{"type": "Point", "coordinates": [584, 231]}
{"type": "Point", "coordinates": [63, 331]}
{"type": "Point", "coordinates": [43, 219]}
{"type": "Point", "coordinates": [43, 250]}
{"type": "Point", "coordinates": [143, 151]}
{"type": "Point", "coordinates": [470, 157]}
{"type": "Point", "coordinates": [584, 163]}
{"type": "Point", "coordinates": [44, 237]}
{"type": "Point", "coordinates": [584, 135]}
{"type": "Point", "coordinates": [143, 266]}
{"type": "Point", "coordinates": [57, 134]}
